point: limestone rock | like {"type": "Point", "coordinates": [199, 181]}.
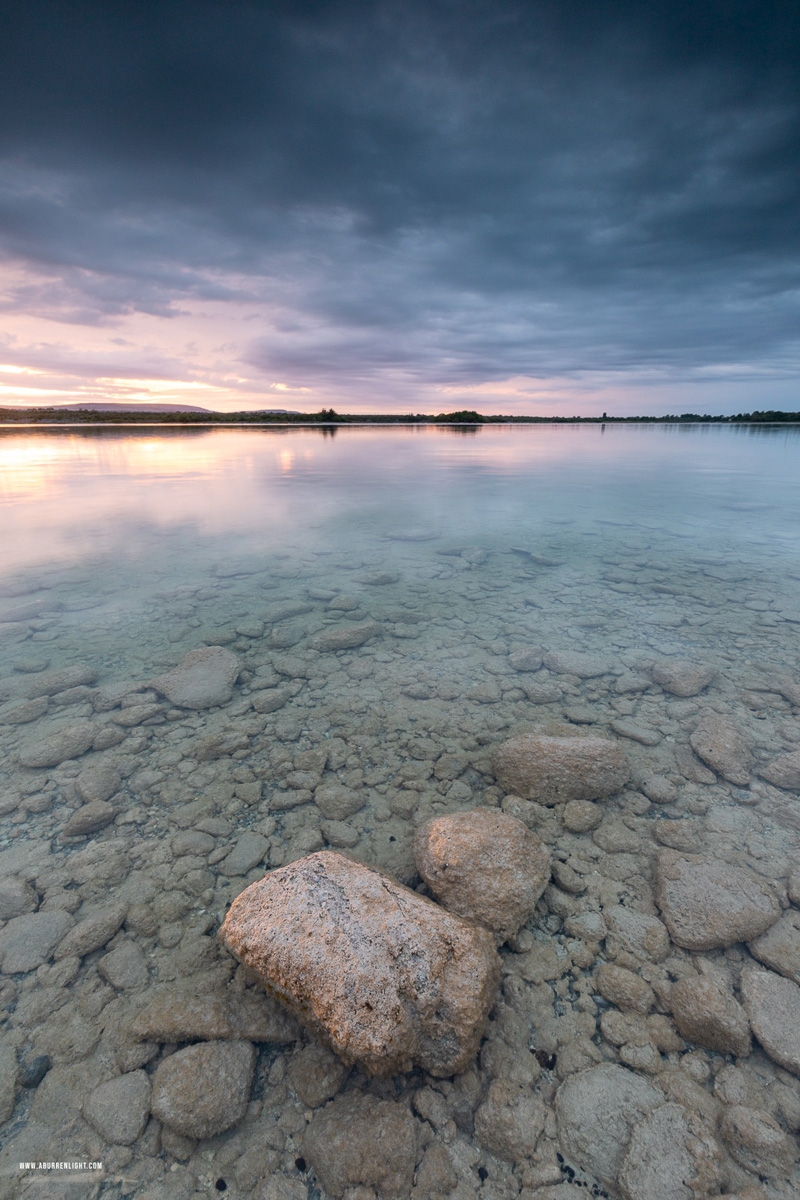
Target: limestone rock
{"type": "Point", "coordinates": [573, 662]}
{"type": "Point", "coordinates": [509, 1121]}
{"type": "Point", "coordinates": [23, 712]}
{"type": "Point", "coordinates": [50, 683]}
{"type": "Point", "coordinates": [337, 802]}
{"type": "Point", "coordinates": [383, 976]}
{"type": "Point", "coordinates": [554, 769]}
{"type": "Point", "coordinates": [125, 967]}
{"type": "Point", "coordinates": [784, 771]}
{"type": "Point", "coordinates": [596, 1110]}
{"type": "Point", "coordinates": [637, 933]}
{"type": "Point", "coordinates": [316, 1074]}
{"type": "Point", "coordinates": [89, 818]}
{"type": "Point", "coordinates": [98, 782]}
{"type": "Point", "coordinates": [672, 1156]}
{"type": "Point", "coordinates": [484, 866]}
{"type": "Point", "coordinates": [172, 1015]}
{"type": "Point", "coordinates": [621, 987]}
{"type": "Point", "coordinates": [92, 932]}
{"type": "Point", "coordinates": [29, 940]}
{"type": "Point", "coordinates": [724, 747]}
{"type": "Point", "coordinates": [205, 1089]}
{"type": "Point", "coordinates": [683, 678]}
{"type": "Point", "coordinates": [710, 1017]}
{"type": "Point", "coordinates": [708, 904]}
{"type": "Point", "coordinates": [347, 638]}
{"type": "Point", "coordinates": [359, 1140]}
{"type": "Point", "coordinates": [58, 744]}
{"type": "Point", "coordinates": [773, 1006]}
{"type": "Point", "coordinates": [204, 679]}
{"type": "Point", "coordinates": [119, 1109]}
{"type": "Point", "coordinates": [16, 897]}
{"type": "Point", "coordinates": [756, 1141]}
{"type": "Point", "coordinates": [525, 658]}
{"type": "Point", "coordinates": [779, 947]}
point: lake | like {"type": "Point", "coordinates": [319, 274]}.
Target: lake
{"type": "Point", "coordinates": [399, 602]}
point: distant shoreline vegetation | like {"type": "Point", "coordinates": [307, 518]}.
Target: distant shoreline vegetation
{"type": "Point", "coordinates": [327, 416]}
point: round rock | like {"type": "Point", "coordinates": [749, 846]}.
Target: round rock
{"type": "Point", "coordinates": [485, 866]}
{"type": "Point", "coordinates": [773, 1006]}
{"type": "Point", "coordinates": [204, 1090]}
{"type": "Point", "coordinates": [552, 770]}
{"type": "Point", "coordinates": [710, 1017]}
{"type": "Point", "coordinates": [671, 1156]}
{"type": "Point", "coordinates": [360, 1141]}
{"type": "Point", "coordinates": [204, 679]}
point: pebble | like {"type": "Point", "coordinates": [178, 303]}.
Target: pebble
{"type": "Point", "coordinates": [484, 866]}
{"type": "Point", "coordinates": [784, 771]}
{"type": "Point", "coordinates": [573, 662]}
{"type": "Point", "coordinates": [316, 1074]}
{"type": "Point", "coordinates": [205, 1089]}
{"type": "Point", "coordinates": [337, 802]}
{"type": "Point", "coordinates": [125, 967]}
{"type": "Point", "coordinates": [98, 782]}
{"type": "Point", "coordinates": [92, 932]}
{"type": "Point", "coordinates": [708, 904]}
{"type": "Point", "coordinates": [17, 896]}
{"type": "Point", "coordinates": [624, 989]}
{"type": "Point", "coordinates": [509, 1121]}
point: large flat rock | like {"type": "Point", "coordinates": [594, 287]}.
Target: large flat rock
{"type": "Point", "coordinates": [384, 977]}
{"type": "Point", "coordinates": [708, 904]}
{"type": "Point", "coordinates": [773, 1006]}
{"type": "Point", "coordinates": [204, 679]}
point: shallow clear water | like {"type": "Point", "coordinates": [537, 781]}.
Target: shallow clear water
{"type": "Point", "coordinates": [124, 549]}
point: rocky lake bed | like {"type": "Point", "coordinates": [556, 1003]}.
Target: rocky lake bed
{"type": "Point", "coordinates": [612, 720]}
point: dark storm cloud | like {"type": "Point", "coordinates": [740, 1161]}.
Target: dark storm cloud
{"type": "Point", "coordinates": [450, 192]}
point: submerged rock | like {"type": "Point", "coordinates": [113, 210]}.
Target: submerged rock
{"type": "Point", "coordinates": [683, 678]}
{"type": "Point", "coordinates": [204, 679]}
{"type": "Point", "coordinates": [347, 638]}
{"type": "Point", "coordinates": [29, 940]}
{"type": "Point", "coordinates": [484, 866]}
{"type": "Point", "coordinates": [172, 1015]}
{"type": "Point", "coordinates": [779, 947]}
{"type": "Point", "coordinates": [119, 1109]}
{"type": "Point", "coordinates": [784, 771]}
{"type": "Point", "coordinates": [359, 1141]}
{"type": "Point", "coordinates": [724, 747]}
{"type": "Point", "coordinates": [50, 683]}
{"type": "Point", "coordinates": [573, 662]}
{"type": "Point", "coordinates": [708, 904]}
{"type": "Point", "coordinates": [555, 769]}
{"type": "Point", "coordinates": [773, 1006]}
{"type": "Point", "coordinates": [596, 1111]}
{"type": "Point", "coordinates": [58, 744]}
{"type": "Point", "coordinates": [205, 1089]}
{"type": "Point", "coordinates": [709, 1016]}
{"type": "Point", "coordinates": [385, 977]}
{"type": "Point", "coordinates": [672, 1156]}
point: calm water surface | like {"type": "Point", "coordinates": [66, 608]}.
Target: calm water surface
{"type": "Point", "coordinates": [123, 549]}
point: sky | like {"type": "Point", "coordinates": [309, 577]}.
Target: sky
{"type": "Point", "coordinates": [516, 206]}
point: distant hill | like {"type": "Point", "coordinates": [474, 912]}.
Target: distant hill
{"type": "Point", "coordinates": [103, 406]}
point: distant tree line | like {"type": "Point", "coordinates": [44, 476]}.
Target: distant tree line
{"type": "Point", "coordinates": [328, 416]}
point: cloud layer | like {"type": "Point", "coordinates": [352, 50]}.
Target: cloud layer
{"type": "Point", "coordinates": [403, 205]}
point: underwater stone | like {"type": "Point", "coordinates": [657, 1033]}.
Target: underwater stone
{"type": "Point", "coordinates": [360, 1141]}
{"type": "Point", "coordinates": [555, 769]}
{"type": "Point", "coordinates": [672, 1156]}
{"type": "Point", "coordinates": [58, 745]}
{"type": "Point", "coordinates": [573, 662]}
{"type": "Point", "coordinates": [50, 683]}
{"type": "Point", "coordinates": [119, 1109]}
{"type": "Point", "coordinates": [204, 679]}
{"type": "Point", "coordinates": [784, 771]}
{"type": "Point", "coordinates": [724, 747]}
{"type": "Point", "coordinates": [773, 1006]}
{"type": "Point", "coordinates": [384, 977]}
{"type": "Point", "coordinates": [683, 678]}
{"type": "Point", "coordinates": [347, 638]}
{"type": "Point", "coordinates": [205, 1089]}
{"type": "Point", "coordinates": [707, 1015]}
{"type": "Point", "coordinates": [779, 947]}
{"type": "Point", "coordinates": [708, 904]}
{"type": "Point", "coordinates": [484, 866]}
